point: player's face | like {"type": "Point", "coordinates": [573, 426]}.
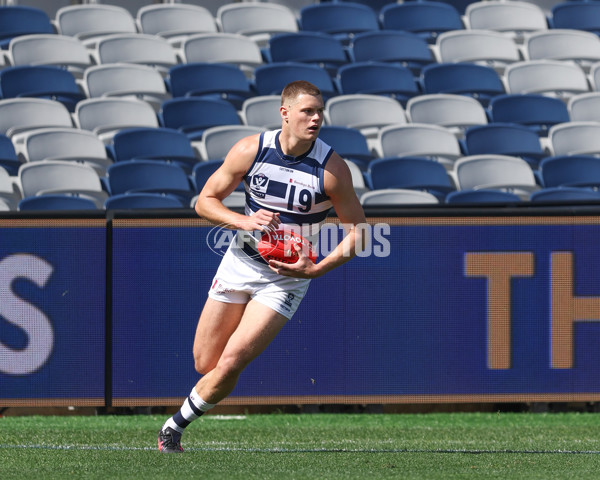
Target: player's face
{"type": "Point", "coordinates": [304, 117]}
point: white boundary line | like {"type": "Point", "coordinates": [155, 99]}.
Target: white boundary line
{"type": "Point", "coordinates": [115, 448]}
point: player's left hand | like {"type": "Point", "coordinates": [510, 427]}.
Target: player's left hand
{"type": "Point", "coordinates": [303, 268]}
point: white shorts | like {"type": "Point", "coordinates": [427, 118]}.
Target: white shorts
{"type": "Point", "coordinates": [240, 278]}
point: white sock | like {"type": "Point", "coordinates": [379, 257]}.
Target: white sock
{"type": "Point", "coordinates": [192, 408]}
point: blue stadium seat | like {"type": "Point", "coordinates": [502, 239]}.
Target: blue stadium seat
{"type": "Point", "coordinates": [481, 196]}
{"type": "Point", "coordinates": [56, 202]}
{"type": "Point", "coordinates": [478, 81]}
{"type": "Point", "coordinates": [41, 81]}
{"type": "Point", "coordinates": [405, 48]}
{"type": "Point", "coordinates": [348, 142]}
{"type": "Point", "coordinates": [570, 171]}
{"type": "Point", "coordinates": [377, 78]}
{"type": "Point", "coordinates": [142, 200]}
{"type": "Point", "coordinates": [504, 139]}
{"type": "Point", "coordinates": [148, 176]}
{"type": "Point", "coordinates": [416, 173]}
{"type": "Point", "coordinates": [317, 48]}
{"type": "Point", "coordinates": [204, 170]}
{"type": "Point", "coordinates": [341, 19]}
{"type": "Point", "coordinates": [565, 194]}
{"type": "Point", "coordinates": [269, 79]}
{"type": "Point", "coordinates": [193, 115]}
{"type": "Point", "coordinates": [577, 15]}
{"type": "Point", "coordinates": [8, 157]}
{"type": "Point", "coordinates": [159, 144]}
{"type": "Point", "coordinates": [17, 20]}
{"type": "Point", "coordinates": [537, 112]}
{"type": "Point", "coordinates": [216, 80]}
{"type": "Point", "coordinates": [425, 18]}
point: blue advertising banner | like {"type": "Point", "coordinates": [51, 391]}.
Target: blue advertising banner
{"type": "Point", "coordinates": [52, 311]}
{"type": "Point", "coordinates": [437, 309]}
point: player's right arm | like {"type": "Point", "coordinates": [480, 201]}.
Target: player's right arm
{"type": "Point", "coordinates": [224, 181]}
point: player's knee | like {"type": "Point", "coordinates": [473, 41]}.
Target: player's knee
{"type": "Point", "coordinates": [203, 365]}
{"type": "Point", "coordinates": [230, 366]}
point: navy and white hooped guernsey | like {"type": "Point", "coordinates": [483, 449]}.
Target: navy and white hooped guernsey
{"type": "Point", "coordinates": [292, 186]}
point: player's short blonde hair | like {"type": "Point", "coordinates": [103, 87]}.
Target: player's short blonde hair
{"type": "Point", "coordinates": [294, 89]}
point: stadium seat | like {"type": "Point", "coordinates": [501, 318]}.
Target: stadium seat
{"type": "Point", "coordinates": [142, 200]}
{"type": "Point", "coordinates": [376, 5]}
{"type": "Point", "coordinates": [575, 138]}
{"type": "Point", "coordinates": [48, 6]}
{"type": "Point", "coordinates": [367, 113]}
{"type": "Point", "coordinates": [489, 48]}
{"type": "Point", "coordinates": [217, 141]}
{"type": "Point", "coordinates": [18, 115]}
{"type": "Point", "coordinates": [565, 194]}
{"type": "Point", "coordinates": [175, 21]}
{"type": "Point", "coordinates": [575, 45]}
{"type": "Point", "coordinates": [17, 20]}
{"type": "Point", "coordinates": [50, 49]}
{"type": "Point", "coordinates": [68, 144]}
{"type": "Point", "coordinates": [504, 139]}
{"type": "Point", "coordinates": [584, 107]}
{"type": "Point", "coordinates": [425, 18]}
{"type": "Point", "coordinates": [262, 111]}
{"type": "Point", "coordinates": [136, 48]}
{"type": "Point", "coordinates": [201, 173]}
{"type": "Point", "coordinates": [220, 47]}
{"type": "Point", "coordinates": [56, 202]}
{"type": "Point", "coordinates": [454, 112]}
{"type": "Point", "coordinates": [342, 19]}
{"type": "Point", "coordinates": [484, 196]}
{"type": "Point", "coordinates": [193, 115]}
{"type": "Point", "coordinates": [405, 48]}
{"type": "Point", "coordinates": [349, 143]}
{"type": "Point", "coordinates": [160, 144]}
{"type": "Point", "coordinates": [40, 81]}
{"type": "Point", "coordinates": [270, 78]}
{"type": "Point", "coordinates": [515, 18]}
{"type": "Point", "coordinates": [10, 191]}
{"type": "Point", "coordinates": [214, 80]}
{"type": "Point", "coordinates": [478, 81]}
{"type": "Point", "coordinates": [358, 178]}
{"type": "Point", "coordinates": [570, 171]}
{"type": "Point", "coordinates": [105, 116]}
{"type": "Point", "coordinates": [490, 171]}
{"type": "Point", "coordinates": [148, 176]}
{"type": "Point", "coordinates": [394, 197]}
{"type": "Point", "coordinates": [257, 20]}
{"type": "Point", "coordinates": [419, 140]}
{"type": "Point", "coordinates": [61, 177]}
{"type": "Point", "coordinates": [594, 76]}
{"type": "Point", "coordinates": [9, 161]}
{"type": "Point", "coordinates": [126, 80]}
{"type": "Point", "coordinates": [578, 15]}
{"type": "Point", "coordinates": [414, 173]}
{"type": "Point", "coordinates": [88, 22]}
{"type": "Point", "coordinates": [318, 48]}
{"type": "Point", "coordinates": [535, 111]}
{"type": "Point", "coordinates": [377, 78]}
{"type": "Point", "coordinates": [548, 77]}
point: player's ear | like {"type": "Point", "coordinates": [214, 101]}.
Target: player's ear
{"type": "Point", "coordinates": [284, 113]}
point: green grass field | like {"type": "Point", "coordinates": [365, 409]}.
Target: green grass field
{"type": "Point", "coordinates": [317, 446]}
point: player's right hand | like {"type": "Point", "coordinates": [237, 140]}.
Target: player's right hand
{"type": "Point", "coordinates": [263, 220]}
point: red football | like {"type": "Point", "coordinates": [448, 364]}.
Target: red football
{"type": "Point", "coordinates": [278, 246]}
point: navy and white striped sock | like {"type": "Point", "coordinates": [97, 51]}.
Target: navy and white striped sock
{"type": "Point", "coordinates": [192, 408]}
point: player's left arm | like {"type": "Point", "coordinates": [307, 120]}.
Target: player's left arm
{"type": "Point", "coordinates": [338, 186]}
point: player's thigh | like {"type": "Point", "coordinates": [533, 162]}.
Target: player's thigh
{"type": "Point", "coordinates": [258, 327]}
{"type": "Point", "coordinates": [217, 323]}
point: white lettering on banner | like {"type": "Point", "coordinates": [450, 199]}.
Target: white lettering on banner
{"type": "Point", "coordinates": [25, 316]}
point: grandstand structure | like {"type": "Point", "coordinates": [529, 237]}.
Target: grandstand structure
{"type": "Point", "coordinates": [461, 101]}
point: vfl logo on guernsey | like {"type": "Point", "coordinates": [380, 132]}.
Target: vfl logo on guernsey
{"type": "Point", "coordinates": [259, 184]}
